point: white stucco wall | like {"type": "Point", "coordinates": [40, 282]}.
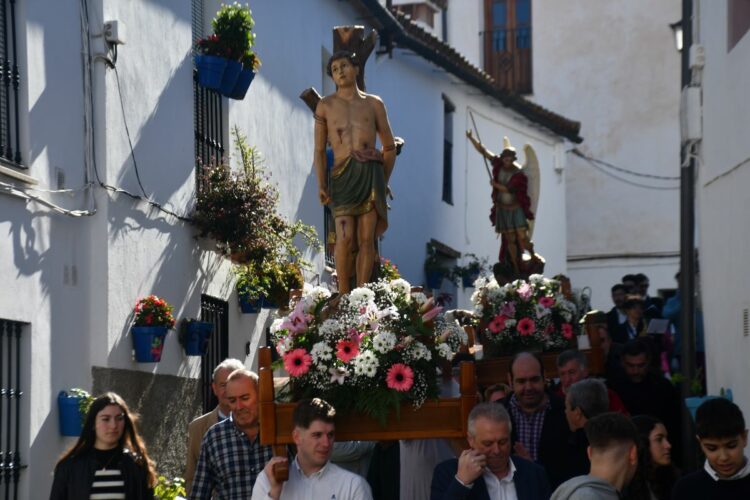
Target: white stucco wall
{"type": "Point", "coordinates": [723, 204]}
{"type": "Point", "coordinates": [613, 66]}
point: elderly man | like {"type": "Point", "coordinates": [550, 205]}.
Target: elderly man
{"type": "Point", "coordinates": [312, 475]}
{"type": "Point", "coordinates": [584, 400]}
{"type": "Point", "coordinates": [198, 427]}
{"type": "Point", "coordinates": [487, 470]}
{"type": "Point", "coordinates": [231, 455]}
{"type": "Point", "coordinates": [572, 367]}
{"type": "Point", "coordinates": [540, 431]}
{"type": "Point", "coordinates": [613, 451]}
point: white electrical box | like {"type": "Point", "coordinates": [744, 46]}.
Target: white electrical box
{"type": "Point", "coordinates": [691, 114]}
{"type": "Point", "coordinates": [114, 32]}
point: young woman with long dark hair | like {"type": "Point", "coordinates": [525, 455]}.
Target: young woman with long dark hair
{"type": "Point", "coordinates": [656, 475]}
{"type": "Point", "coordinates": [109, 461]}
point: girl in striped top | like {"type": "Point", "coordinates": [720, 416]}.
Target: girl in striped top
{"type": "Point", "coordinates": [109, 461]}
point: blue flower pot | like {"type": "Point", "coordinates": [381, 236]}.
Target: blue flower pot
{"type": "Point", "coordinates": [268, 304]}
{"type": "Point", "coordinates": [434, 279]}
{"type": "Point", "coordinates": [693, 403]}
{"type": "Point", "coordinates": [468, 281]}
{"type": "Point", "coordinates": [231, 73]}
{"type": "Point", "coordinates": [71, 420]}
{"type": "Point", "coordinates": [248, 306]}
{"type": "Point", "coordinates": [243, 82]}
{"type": "Point", "coordinates": [210, 70]}
{"type": "Point", "coordinates": [196, 338]}
{"type": "Point", "coordinates": [148, 342]}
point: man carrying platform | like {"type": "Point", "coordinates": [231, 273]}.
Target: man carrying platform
{"type": "Point", "coordinates": [349, 121]}
{"type": "Point", "coordinates": [311, 474]}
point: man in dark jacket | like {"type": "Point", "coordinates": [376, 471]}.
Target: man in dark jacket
{"type": "Point", "coordinates": [487, 470]}
{"type": "Point", "coordinates": [540, 431]}
{"type": "Point", "coordinates": [584, 400]}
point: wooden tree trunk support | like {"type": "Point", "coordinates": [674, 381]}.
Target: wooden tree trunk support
{"type": "Point", "coordinates": [496, 370]}
{"type": "Point", "coordinates": [443, 418]}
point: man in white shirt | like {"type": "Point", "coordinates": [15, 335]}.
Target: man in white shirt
{"type": "Point", "coordinates": [311, 475]}
{"type": "Point", "coordinates": [487, 470]}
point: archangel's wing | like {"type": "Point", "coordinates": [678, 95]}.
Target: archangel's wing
{"type": "Point", "coordinates": [531, 169]}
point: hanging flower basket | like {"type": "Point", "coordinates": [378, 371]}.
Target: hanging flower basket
{"type": "Point", "coordinates": [248, 305]}
{"type": "Point", "coordinates": [210, 70]}
{"type": "Point", "coordinates": [244, 80]}
{"type": "Point", "coordinates": [148, 342]}
{"type": "Point", "coordinates": [194, 337]}
{"type": "Point", "coordinates": [229, 78]}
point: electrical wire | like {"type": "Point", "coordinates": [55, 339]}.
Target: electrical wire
{"type": "Point", "coordinates": [580, 154]}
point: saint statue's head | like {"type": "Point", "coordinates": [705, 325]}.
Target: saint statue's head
{"type": "Point", "coordinates": [343, 67]}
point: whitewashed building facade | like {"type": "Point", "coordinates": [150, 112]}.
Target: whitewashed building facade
{"type": "Point", "coordinates": [75, 255]}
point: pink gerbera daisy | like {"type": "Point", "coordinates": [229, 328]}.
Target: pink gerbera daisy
{"type": "Point", "coordinates": [400, 377]}
{"type": "Point", "coordinates": [526, 326]}
{"type": "Point", "coordinates": [567, 331]}
{"type": "Point", "coordinates": [297, 362]}
{"type": "Point", "coordinates": [346, 350]}
{"type": "Point", "coordinates": [546, 302]}
{"type": "Point", "coordinates": [497, 324]}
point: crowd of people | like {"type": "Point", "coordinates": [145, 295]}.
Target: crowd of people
{"type": "Point", "coordinates": [565, 435]}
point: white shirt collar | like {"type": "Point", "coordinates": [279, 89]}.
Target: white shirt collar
{"type": "Point", "coordinates": [488, 474]}
{"type": "Point", "coordinates": [314, 475]}
{"type": "Point", "coordinates": [740, 474]}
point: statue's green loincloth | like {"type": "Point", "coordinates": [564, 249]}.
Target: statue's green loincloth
{"type": "Point", "coordinates": [357, 187]}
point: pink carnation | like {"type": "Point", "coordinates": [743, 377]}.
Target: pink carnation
{"type": "Point", "coordinates": [400, 377]}
{"type": "Point", "coordinates": [525, 291]}
{"type": "Point", "coordinates": [297, 362]}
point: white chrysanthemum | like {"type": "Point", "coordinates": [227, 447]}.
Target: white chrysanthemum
{"type": "Point", "coordinates": [476, 297]}
{"type": "Point", "coordinates": [444, 350]}
{"type": "Point", "coordinates": [420, 351]}
{"type": "Point", "coordinates": [419, 298]}
{"type": "Point", "coordinates": [361, 296]}
{"type": "Point", "coordinates": [384, 342]}
{"type": "Point", "coordinates": [329, 328]}
{"type": "Point", "coordinates": [401, 287]}
{"type": "Point", "coordinates": [276, 325]}
{"type": "Point", "coordinates": [480, 282]}
{"type": "Point", "coordinates": [536, 279]}
{"type": "Point", "coordinates": [366, 363]}
{"type": "Point", "coordinates": [510, 323]}
{"type": "Point", "coordinates": [321, 352]}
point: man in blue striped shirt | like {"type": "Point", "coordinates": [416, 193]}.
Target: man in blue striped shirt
{"type": "Point", "coordinates": [231, 454]}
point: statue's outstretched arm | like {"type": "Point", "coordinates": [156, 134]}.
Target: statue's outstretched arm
{"type": "Point", "coordinates": [479, 146]}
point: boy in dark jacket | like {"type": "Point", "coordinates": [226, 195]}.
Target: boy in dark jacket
{"type": "Point", "coordinates": [721, 432]}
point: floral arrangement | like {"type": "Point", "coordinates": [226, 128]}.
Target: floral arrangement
{"type": "Point", "coordinates": [388, 270]}
{"type": "Point", "coordinates": [153, 311]}
{"type": "Point", "coordinates": [381, 345]}
{"type": "Point", "coordinates": [524, 315]}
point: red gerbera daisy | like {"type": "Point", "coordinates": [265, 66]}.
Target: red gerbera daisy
{"type": "Point", "coordinates": [297, 362]}
{"type": "Point", "coordinates": [546, 301]}
{"type": "Point", "coordinates": [497, 324]}
{"type": "Point", "coordinates": [526, 326]}
{"type": "Point", "coordinates": [567, 331]}
{"type": "Point", "coordinates": [400, 377]}
{"type": "Point", "coordinates": [346, 350]}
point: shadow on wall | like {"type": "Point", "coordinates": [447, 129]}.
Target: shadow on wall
{"type": "Point", "coordinates": [165, 403]}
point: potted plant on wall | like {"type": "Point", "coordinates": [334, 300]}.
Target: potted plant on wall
{"type": "Point", "coordinates": [250, 64]}
{"type": "Point", "coordinates": [435, 271]}
{"type": "Point", "coordinates": [469, 272]}
{"type": "Point", "coordinates": [210, 61]}
{"type": "Point", "coordinates": [194, 336]}
{"type": "Point", "coordinates": [233, 24]}
{"type": "Point", "coordinates": [153, 319]}
{"type": "Point", "coordinates": [73, 405]}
